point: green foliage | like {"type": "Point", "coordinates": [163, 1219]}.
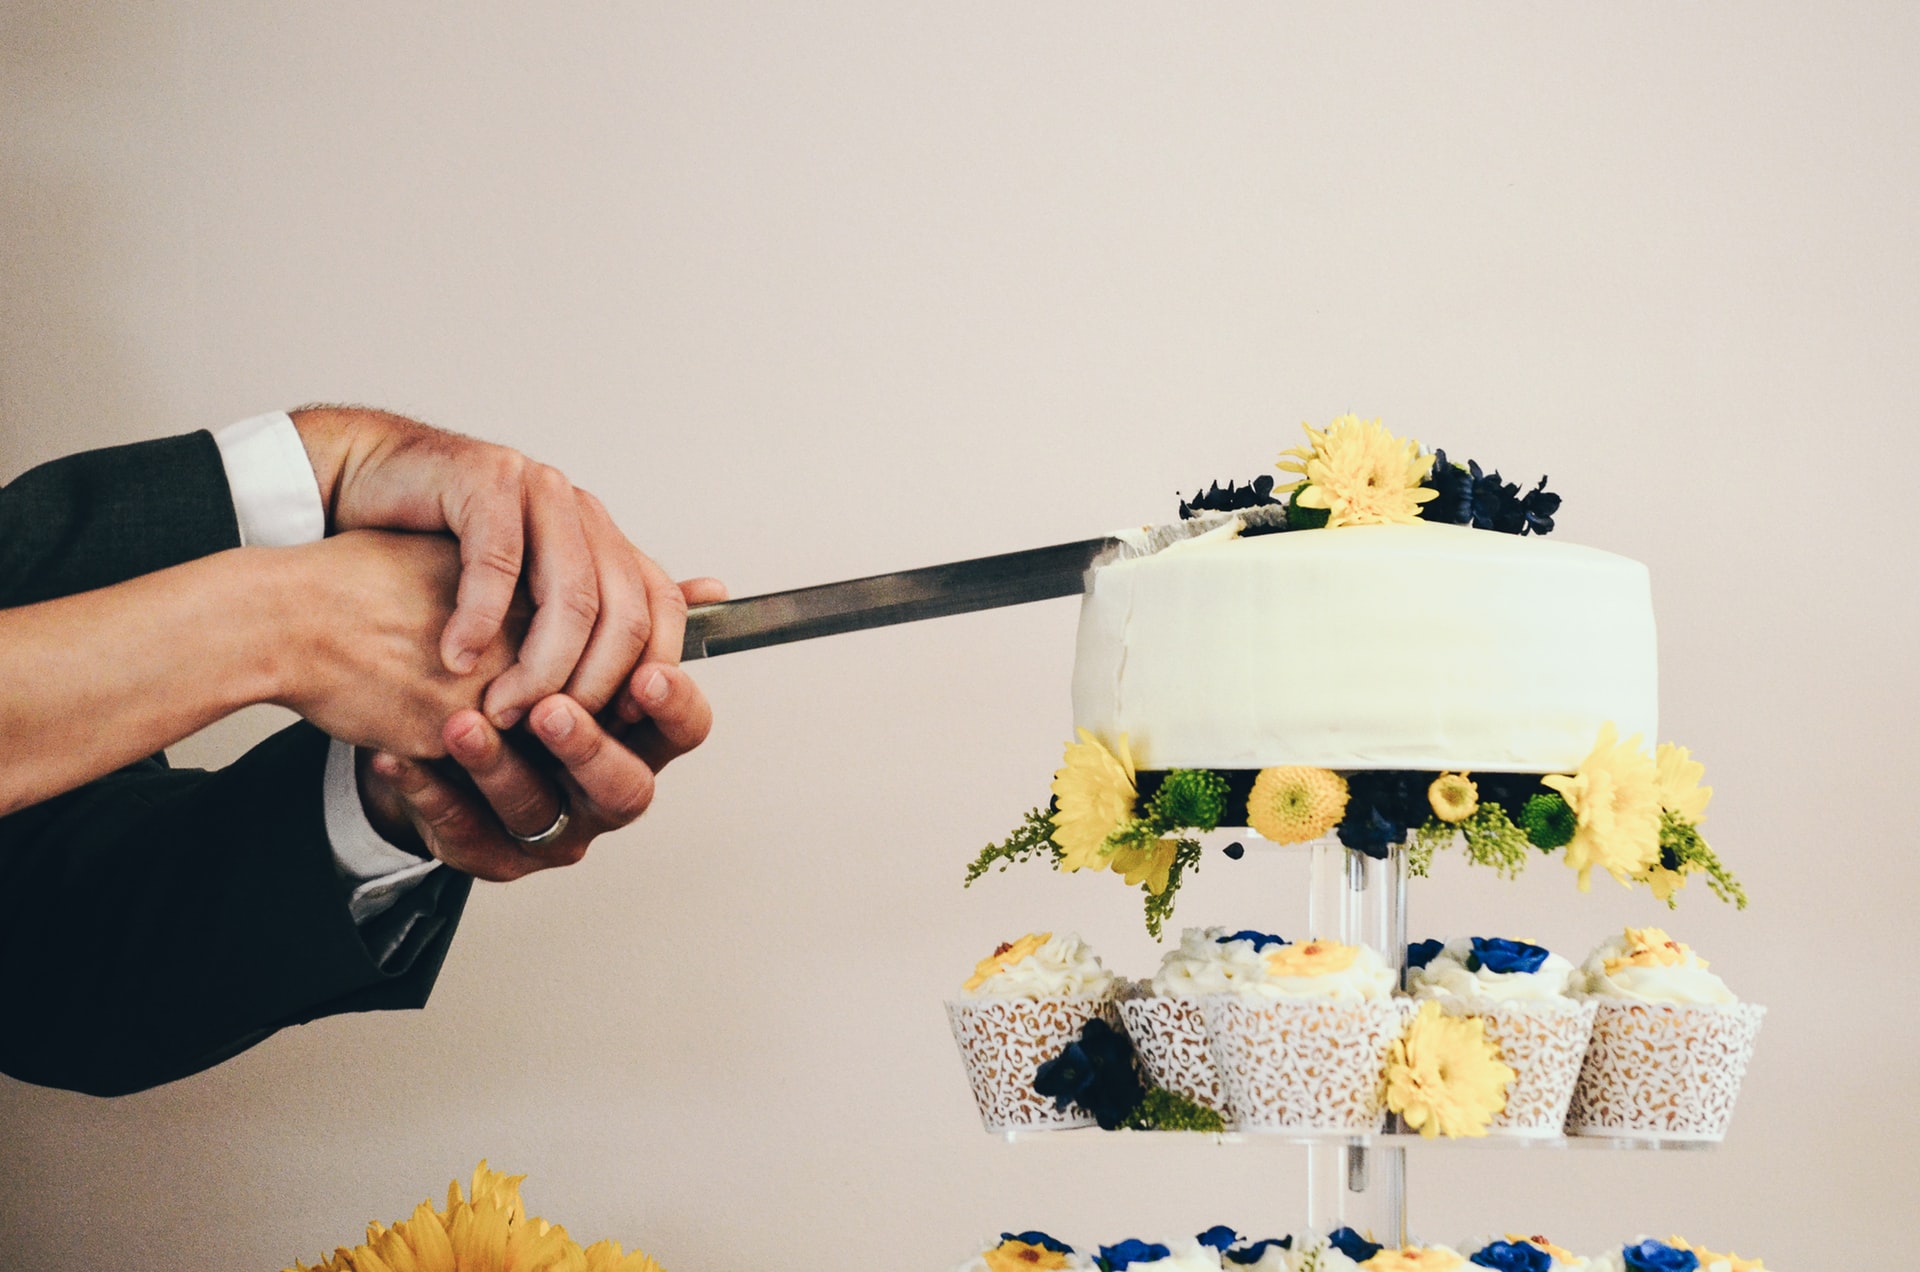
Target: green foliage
{"type": "Point", "coordinates": [1299, 518]}
{"type": "Point", "coordinates": [1493, 840]}
{"type": "Point", "coordinates": [1188, 799]}
{"type": "Point", "coordinates": [1548, 821]}
{"type": "Point", "coordinates": [1035, 836]}
{"type": "Point", "coordinates": [1135, 832]}
{"type": "Point", "coordinates": [1423, 841]}
{"type": "Point", "coordinates": [1682, 849]}
{"type": "Point", "coordinates": [1159, 909]}
{"type": "Point", "coordinates": [1162, 1110]}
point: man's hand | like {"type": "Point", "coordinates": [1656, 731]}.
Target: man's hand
{"type": "Point", "coordinates": [606, 778]}
{"type": "Point", "coordinates": [601, 607]}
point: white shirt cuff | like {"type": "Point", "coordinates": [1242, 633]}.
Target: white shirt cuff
{"type": "Point", "coordinates": [276, 498]}
{"type": "Point", "coordinates": [380, 872]}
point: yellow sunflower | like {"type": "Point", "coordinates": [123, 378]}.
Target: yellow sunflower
{"type": "Point", "coordinates": [1021, 1256]}
{"type": "Point", "coordinates": [1291, 804]}
{"type": "Point", "coordinates": [1711, 1262]}
{"type": "Point", "coordinates": [1444, 1077]}
{"type": "Point", "coordinates": [1680, 791]}
{"type": "Point", "coordinates": [1095, 791]}
{"type": "Point", "coordinates": [1414, 1259]}
{"type": "Point", "coordinates": [1615, 798]}
{"type": "Point", "coordinates": [1152, 864]}
{"type": "Point", "coordinates": [1360, 474]}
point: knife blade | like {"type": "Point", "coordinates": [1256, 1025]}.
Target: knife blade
{"type": "Point", "coordinates": [934, 591]}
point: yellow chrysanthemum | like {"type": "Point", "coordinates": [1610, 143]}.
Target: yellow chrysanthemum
{"type": "Point", "coordinates": [1541, 1243]}
{"type": "Point", "coordinates": [1152, 864]}
{"type": "Point", "coordinates": [1021, 1256]}
{"type": "Point", "coordinates": [1444, 1077]}
{"type": "Point", "coordinates": [1414, 1259]}
{"type": "Point", "coordinates": [1680, 791]}
{"type": "Point", "coordinates": [1361, 474]}
{"type": "Point", "coordinates": [1453, 797]}
{"type": "Point", "coordinates": [1291, 804]}
{"type": "Point", "coordinates": [1651, 947]}
{"type": "Point", "coordinates": [1615, 798]}
{"type": "Point", "coordinates": [1711, 1262]}
{"type": "Point", "coordinates": [1009, 953]}
{"type": "Point", "coordinates": [1312, 958]}
{"type": "Point", "coordinates": [1095, 792]}
{"type": "Point", "coordinates": [490, 1231]}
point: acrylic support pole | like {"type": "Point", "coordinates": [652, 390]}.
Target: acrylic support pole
{"type": "Point", "coordinates": [1355, 899]}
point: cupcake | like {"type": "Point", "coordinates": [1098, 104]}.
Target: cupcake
{"type": "Point", "coordinates": [1028, 1252]}
{"type": "Point", "coordinates": [1022, 1006]}
{"type": "Point", "coordinates": [1517, 1253]}
{"type": "Point", "coordinates": [1519, 992]}
{"type": "Point", "coordinates": [1182, 1256]}
{"type": "Point", "coordinates": [1648, 1255]}
{"type": "Point", "coordinates": [1711, 1262]}
{"type": "Point", "coordinates": [1670, 1042]}
{"type": "Point", "coordinates": [1243, 1254]}
{"type": "Point", "coordinates": [1164, 1016]}
{"type": "Point", "coordinates": [1301, 1044]}
{"type": "Point", "coordinates": [1344, 1250]}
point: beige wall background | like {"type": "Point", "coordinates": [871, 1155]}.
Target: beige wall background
{"type": "Point", "coordinates": [808, 292]}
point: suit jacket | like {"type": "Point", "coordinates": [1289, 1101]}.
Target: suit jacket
{"type": "Point", "coordinates": [157, 921]}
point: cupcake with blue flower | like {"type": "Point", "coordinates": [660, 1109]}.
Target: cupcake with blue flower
{"type": "Point", "coordinates": [1247, 1254]}
{"type": "Point", "coordinates": [1028, 1252]}
{"type": "Point", "coordinates": [1164, 1015]}
{"type": "Point", "coordinates": [1133, 1255]}
{"type": "Point", "coordinates": [1518, 992]}
{"type": "Point", "coordinates": [1649, 1255]}
{"type": "Point", "coordinates": [1344, 1250]}
{"type": "Point", "coordinates": [1515, 1252]}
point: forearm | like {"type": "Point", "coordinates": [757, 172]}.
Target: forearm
{"type": "Point", "coordinates": [97, 680]}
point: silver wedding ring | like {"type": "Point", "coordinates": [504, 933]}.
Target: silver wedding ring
{"type": "Point", "coordinates": [551, 833]}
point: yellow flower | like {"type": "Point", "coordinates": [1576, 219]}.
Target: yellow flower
{"type": "Point", "coordinates": [1665, 882]}
{"type": "Point", "coordinates": [1711, 1262]}
{"type": "Point", "coordinates": [1541, 1243]}
{"type": "Point", "coordinates": [1680, 791]}
{"type": "Point", "coordinates": [1020, 1256]}
{"type": "Point", "coordinates": [1311, 958]}
{"type": "Point", "coordinates": [1152, 864]}
{"type": "Point", "coordinates": [1290, 805]}
{"type": "Point", "coordinates": [1454, 797]}
{"type": "Point", "coordinates": [1360, 473]}
{"type": "Point", "coordinates": [605, 1256]}
{"type": "Point", "coordinates": [1444, 1077]}
{"type": "Point", "coordinates": [1615, 798]}
{"type": "Point", "coordinates": [1096, 793]}
{"type": "Point", "coordinates": [1651, 947]}
{"type": "Point", "coordinates": [1006, 956]}
{"type": "Point", "coordinates": [1414, 1259]}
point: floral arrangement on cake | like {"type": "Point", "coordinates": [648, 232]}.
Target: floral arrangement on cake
{"type": "Point", "coordinates": [488, 1230]}
{"type": "Point", "coordinates": [1633, 815]}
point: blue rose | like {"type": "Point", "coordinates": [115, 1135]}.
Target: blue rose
{"type": "Point", "coordinates": [1040, 1239]}
{"type": "Point", "coordinates": [1420, 953]}
{"type": "Point", "coordinates": [1656, 1256]}
{"type": "Point", "coordinates": [1353, 1245]}
{"type": "Point", "coordinates": [1260, 939]}
{"type": "Point", "coordinates": [1219, 1236]}
{"type": "Point", "coordinates": [1514, 1256]}
{"type": "Point", "coordinates": [1114, 1258]}
{"type": "Point", "coordinates": [1497, 955]}
{"type": "Point", "coordinates": [1253, 1253]}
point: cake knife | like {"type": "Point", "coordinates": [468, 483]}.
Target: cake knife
{"type": "Point", "coordinates": [934, 591]}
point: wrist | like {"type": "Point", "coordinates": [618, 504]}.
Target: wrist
{"type": "Point", "coordinates": [336, 440]}
{"type": "Point", "coordinates": [292, 593]}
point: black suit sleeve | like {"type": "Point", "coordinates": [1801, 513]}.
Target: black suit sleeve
{"type": "Point", "coordinates": [157, 921]}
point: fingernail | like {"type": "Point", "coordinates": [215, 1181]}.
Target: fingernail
{"type": "Point", "coordinates": [464, 661]}
{"type": "Point", "coordinates": [469, 736]}
{"type": "Point", "coordinates": [654, 692]}
{"type": "Point", "coordinates": [556, 724]}
{"type": "Point", "coordinates": [507, 717]}
{"type": "Point", "coordinates": [629, 708]}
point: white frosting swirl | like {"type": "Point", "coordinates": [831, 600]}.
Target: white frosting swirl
{"type": "Point", "coordinates": [1204, 964]}
{"type": "Point", "coordinates": [1063, 966]}
{"type": "Point", "coordinates": [1447, 976]}
{"type": "Point", "coordinates": [1685, 981]}
{"type": "Point", "coordinates": [1366, 978]}
{"type": "Point", "coordinates": [1185, 1256]}
{"type": "Point", "coordinates": [1272, 1259]}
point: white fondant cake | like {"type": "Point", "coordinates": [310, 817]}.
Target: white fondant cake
{"type": "Point", "coordinates": [1368, 647]}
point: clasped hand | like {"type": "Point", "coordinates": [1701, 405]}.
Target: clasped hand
{"type": "Point", "coordinates": [536, 610]}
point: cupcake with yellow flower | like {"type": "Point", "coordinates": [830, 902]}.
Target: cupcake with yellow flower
{"type": "Point", "coordinates": [1300, 1044]}
{"type": "Point", "coordinates": [1670, 1042]}
{"type": "Point", "coordinates": [1344, 1250]}
{"type": "Point", "coordinates": [1519, 992]}
{"type": "Point", "coordinates": [1023, 1005]}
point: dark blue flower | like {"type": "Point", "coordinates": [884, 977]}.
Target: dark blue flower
{"type": "Point", "coordinates": [1254, 494]}
{"type": "Point", "coordinates": [1497, 954]}
{"type": "Point", "coordinates": [1382, 804]}
{"type": "Point", "coordinates": [1454, 504]}
{"type": "Point", "coordinates": [1353, 1245]}
{"type": "Point", "coordinates": [1656, 1256]}
{"type": "Point", "coordinates": [1254, 1252]}
{"type": "Point", "coordinates": [1129, 1252]}
{"type": "Point", "coordinates": [1096, 1072]}
{"type": "Point", "coordinates": [1514, 1256]}
{"type": "Point", "coordinates": [1260, 939]}
{"type": "Point", "coordinates": [1420, 953]}
{"type": "Point", "coordinates": [1219, 1236]}
{"type": "Point", "coordinates": [1040, 1239]}
{"type": "Point", "coordinates": [1539, 507]}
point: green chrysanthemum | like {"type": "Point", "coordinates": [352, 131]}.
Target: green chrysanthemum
{"type": "Point", "coordinates": [1548, 821]}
